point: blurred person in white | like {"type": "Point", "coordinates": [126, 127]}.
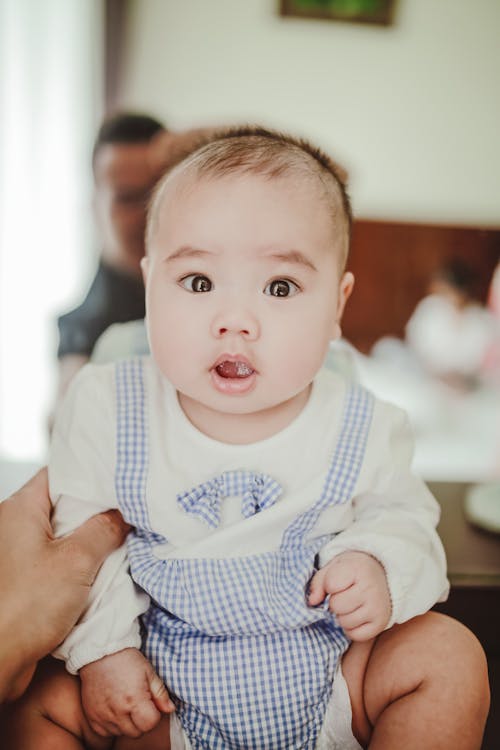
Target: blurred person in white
{"type": "Point", "coordinates": [305, 543]}
{"type": "Point", "coordinates": [492, 363]}
{"type": "Point", "coordinates": [494, 292]}
{"type": "Point", "coordinates": [449, 332]}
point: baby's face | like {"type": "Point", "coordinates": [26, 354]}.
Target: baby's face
{"type": "Point", "coordinates": [243, 292]}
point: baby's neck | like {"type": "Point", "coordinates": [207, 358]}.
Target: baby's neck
{"type": "Point", "coordinates": [243, 429]}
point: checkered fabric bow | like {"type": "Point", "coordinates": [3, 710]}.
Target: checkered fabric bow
{"type": "Point", "coordinates": [257, 492]}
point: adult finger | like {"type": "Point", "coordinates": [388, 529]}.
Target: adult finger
{"type": "Point", "coordinates": [35, 492]}
{"type": "Point", "coordinates": [97, 538]}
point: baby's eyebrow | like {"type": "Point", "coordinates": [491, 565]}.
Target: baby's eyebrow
{"type": "Point", "coordinates": [293, 256]}
{"type": "Point", "coordinates": [187, 251]}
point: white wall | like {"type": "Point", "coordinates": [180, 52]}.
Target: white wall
{"type": "Point", "coordinates": [413, 111]}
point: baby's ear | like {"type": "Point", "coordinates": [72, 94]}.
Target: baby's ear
{"type": "Point", "coordinates": [345, 290]}
{"type": "Point", "coordinates": [144, 268]}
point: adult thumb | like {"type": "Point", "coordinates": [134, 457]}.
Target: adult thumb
{"type": "Point", "coordinates": [97, 537]}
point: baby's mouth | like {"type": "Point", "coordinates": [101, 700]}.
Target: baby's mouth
{"type": "Point", "coordinates": [234, 369]}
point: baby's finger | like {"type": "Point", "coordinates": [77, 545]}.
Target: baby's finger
{"type": "Point", "coordinates": [354, 619]}
{"type": "Point", "coordinates": [316, 588]}
{"type": "Point", "coordinates": [159, 694]}
{"type": "Point", "coordinates": [346, 601]}
{"type": "Point", "coordinates": [339, 575]}
{"type": "Point", "coordinates": [364, 632]}
{"type": "Point", "coordinates": [127, 727]}
{"type": "Point", "coordinates": [98, 729]}
{"type": "Point", "coordinates": [145, 716]}
{"type": "Point", "coordinates": [104, 728]}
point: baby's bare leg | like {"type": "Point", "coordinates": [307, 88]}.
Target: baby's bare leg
{"type": "Point", "coordinates": [50, 717]}
{"type": "Point", "coordinates": [423, 684]}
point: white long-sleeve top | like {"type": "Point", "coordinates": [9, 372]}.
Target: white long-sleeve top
{"type": "Point", "coordinates": [391, 515]}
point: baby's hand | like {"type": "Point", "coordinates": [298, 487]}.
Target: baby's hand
{"type": "Point", "coordinates": [359, 594]}
{"type": "Point", "coordinates": [122, 694]}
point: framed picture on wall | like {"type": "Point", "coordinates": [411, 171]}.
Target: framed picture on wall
{"type": "Point", "coordinates": [358, 11]}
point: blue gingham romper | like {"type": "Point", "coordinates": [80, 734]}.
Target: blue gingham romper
{"type": "Point", "coordinates": [248, 663]}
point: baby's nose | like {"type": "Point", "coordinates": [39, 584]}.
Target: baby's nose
{"type": "Point", "coordinates": [238, 323]}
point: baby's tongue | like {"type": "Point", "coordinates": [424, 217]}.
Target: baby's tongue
{"type": "Point", "coordinates": [234, 370]}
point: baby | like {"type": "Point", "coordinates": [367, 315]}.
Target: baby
{"type": "Point", "coordinates": [275, 515]}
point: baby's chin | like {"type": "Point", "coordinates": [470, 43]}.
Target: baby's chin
{"type": "Point", "coordinates": [237, 420]}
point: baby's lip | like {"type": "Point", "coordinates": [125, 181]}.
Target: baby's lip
{"type": "Point", "coordinates": [233, 366]}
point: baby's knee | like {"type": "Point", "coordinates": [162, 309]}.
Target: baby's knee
{"type": "Point", "coordinates": [54, 694]}
{"type": "Point", "coordinates": [437, 651]}
{"type": "Point", "coordinates": [451, 647]}
{"type": "Point", "coordinates": [49, 714]}
{"type": "Point", "coordinates": [459, 654]}
{"type": "Point", "coordinates": [429, 672]}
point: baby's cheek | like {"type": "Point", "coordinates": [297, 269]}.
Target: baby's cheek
{"type": "Point", "coordinates": [301, 367]}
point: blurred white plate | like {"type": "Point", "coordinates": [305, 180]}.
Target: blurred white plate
{"type": "Point", "coordinates": [482, 506]}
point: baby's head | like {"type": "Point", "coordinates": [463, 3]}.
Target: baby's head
{"type": "Point", "coordinates": [247, 241]}
{"type": "Point", "coordinates": [272, 155]}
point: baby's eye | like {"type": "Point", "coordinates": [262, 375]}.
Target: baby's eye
{"type": "Point", "coordinates": [195, 282]}
{"type": "Point", "coordinates": [281, 288]}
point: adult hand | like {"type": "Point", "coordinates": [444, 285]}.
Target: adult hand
{"type": "Point", "coordinates": [44, 582]}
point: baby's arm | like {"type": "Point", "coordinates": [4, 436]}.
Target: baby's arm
{"type": "Point", "coordinates": [122, 694]}
{"type": "Point", "coordinates": [398, 553]}
{"type": "Point", "coordinates": [81, 483]}
{"type": "Point", "coordinates": [359, 594]}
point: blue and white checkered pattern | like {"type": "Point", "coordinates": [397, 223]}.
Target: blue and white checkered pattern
{"type": "Point", "coordinates": [344, 466]}
{"type": "Point", "coordinates": [258, 492]}
{"type": "Point", "coordinates": [248, 663]}
{"type": "Point", "coordinates": [132, 445]}
{"type": "Point", "coordinates": [131, 442]}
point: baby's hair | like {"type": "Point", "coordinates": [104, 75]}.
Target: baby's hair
{"type": "Point", "coordinates": [257, 150]}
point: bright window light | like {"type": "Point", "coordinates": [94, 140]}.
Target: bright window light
{"type": "Point", "coordinates": [49, 96]}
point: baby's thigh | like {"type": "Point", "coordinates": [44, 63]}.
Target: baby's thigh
{"type": "Point", "coordinates": [412, 676]}
{"type": "Point", "coordinates": [354, 666]}
{"type": "Point", "coordinates": [49, 716]}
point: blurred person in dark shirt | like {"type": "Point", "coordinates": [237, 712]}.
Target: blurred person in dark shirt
{"type": "Point", "coordinates": [124, 176]}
